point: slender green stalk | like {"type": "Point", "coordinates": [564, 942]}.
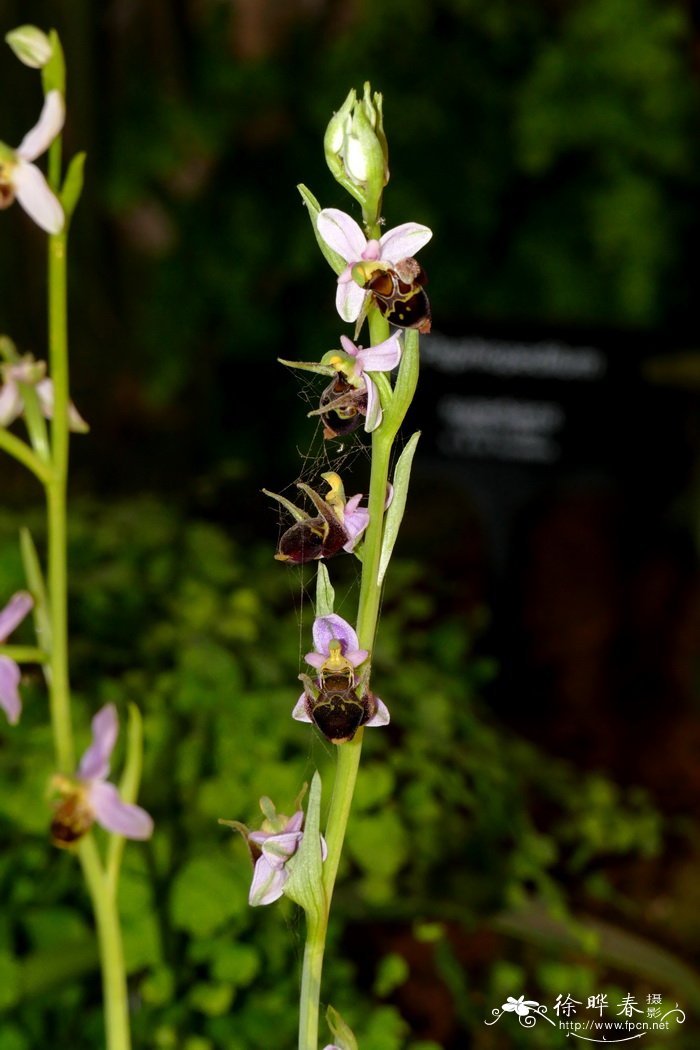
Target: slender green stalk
{"type": "Point", "coordinates": [56, 506]}
{"type": "Point", "coordinates": [311, 984]}
{"type": "Point", "coordinates": [104, 903]}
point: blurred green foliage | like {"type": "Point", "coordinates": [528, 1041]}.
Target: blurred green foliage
{"type": "Point", "coordinates": [455, 821]}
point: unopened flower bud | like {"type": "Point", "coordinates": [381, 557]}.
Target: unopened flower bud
{"type": "Point", "coordinates": [356, 150]}
{"type": "Point", "coordinates": [336, 132]}
{"type": "Point", "coordinates": [30, 45]}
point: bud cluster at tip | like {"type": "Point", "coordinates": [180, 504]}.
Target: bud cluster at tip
{"type": "Point", "coordinates": [356, 150]}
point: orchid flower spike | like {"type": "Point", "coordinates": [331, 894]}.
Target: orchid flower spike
{"type": "Point", "coordinates": [341, 233]}
{"type": "Point", "coordinates": [20, 178]}
{"type": "Point", "coordinates": [31, 373]}
{"type": "Point", "coordinates": [338, 702]}
{"type": "Point", "coordinates": [10, 618]}
{"type": "Point", "coordinates": [89, 797]}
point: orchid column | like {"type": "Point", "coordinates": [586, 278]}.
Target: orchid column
{"type": "Point", "coordinates": [378, 282]}
{"type": "Point", "coordinates": [84, 796]}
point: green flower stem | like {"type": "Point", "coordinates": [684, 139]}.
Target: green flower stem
{"type": "Point", "coordinates": [311, 982]}
{"type": "Point", "coordinates": [24, 654]}
{"type": "Point", "coordinates": [104, 903]}
{"type": "Point", "coordinates": [56, 506]}
{"type": "Point", "coordinates": [21, 451]}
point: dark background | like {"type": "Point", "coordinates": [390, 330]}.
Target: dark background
{"type": "Point", "coordinates": [553, 149]}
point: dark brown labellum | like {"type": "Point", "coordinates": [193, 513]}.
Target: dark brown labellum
{"type": "Point", "coordinates": [337, 711]}
{"type": "Point", "coordinates": [334, 706]}
{"type": "Point", "coordinates": [312, 539]}
{"type": "Point", "coordinates": [72, 819]}
{"type": "Point", "coordinates": [342, 407]}
{"type": "Point", "coordinates": [400, 295]}
{"type": "Point", "coordinates": [413, 312]}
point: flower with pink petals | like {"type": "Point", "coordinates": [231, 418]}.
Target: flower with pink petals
{"type": "Point", "coordinates": [338, 702]}
{"type": "Point", "coordinates": [358, 361]}
{"type": "Point", "coordinates": [333, 628]}
{"type": "Point", "coordinates": [271, 848]}
{"type": "Point", "coordinates": [10, 618]}
{"type": "Point", "coordinates": [352, 392]}
{"type": "Point", "coordinates": [343, 235]}
{"type": "Point", "coordinates": [20, 178]}
{"type": "Point", "coordinates": [89, 797]}
{"type": "Point", "coordinates": [31, 373]}
{"type": "Point", "coordinates": [275, 848]}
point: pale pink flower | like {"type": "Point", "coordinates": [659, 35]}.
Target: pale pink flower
{"type": "Point", "coordinates": [341, 233]}
{"type": "Point", "coordinates": [89, 797]}
{"type": "Point", "coordinates": [10, 618]}
{"type": "Point", "coordinates": [20, 178]}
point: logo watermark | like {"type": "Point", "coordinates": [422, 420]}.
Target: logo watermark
{"type": "Point", "coordinates": [605, 1023]}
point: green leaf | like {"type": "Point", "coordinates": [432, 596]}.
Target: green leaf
{"type": "Point", "coordinates": [406, 382]}
{"type": "Point", "coordinates": [128, 786]}
{"type": "Point", "coordinates": [73, 184]}
{"type": "Point", "coordinates": [394, 515]}
{"type": "Point", "coordinates": [35, 582]}
{"type": "Point", "coordinates": [211, 999]}
{"type": "Point", "coordinates": [392, 972]}
{"type": "Point", "coordinates": [305, 885]}
{"type": "Point", "coordinates": [379, 843]}
{"type": "Point", "coordinates": [325, 594]}
{"type": "Point", "coordinates": [205, 896]}
{"type": "Point", "coordinates": [158, 987]}
{"type": "Point", "coordinates": [343, 1036]}
{"type": "Point", "coordinates": [238, 964]}
{"type": "Point", "coordinates": [9, 981]}
{"type": "Point", "coordinates": [335, 261]}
